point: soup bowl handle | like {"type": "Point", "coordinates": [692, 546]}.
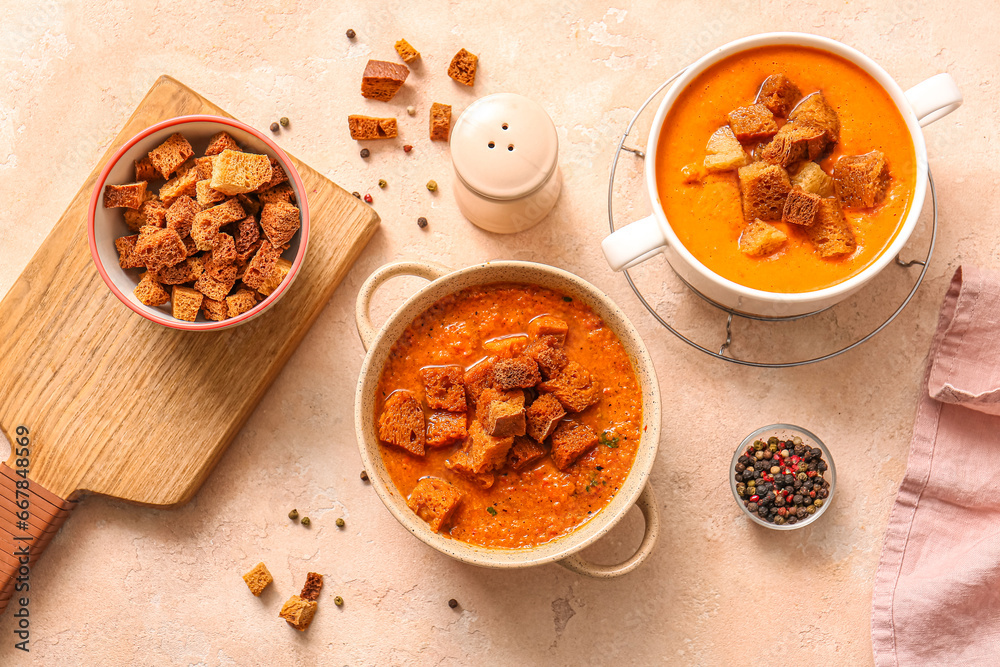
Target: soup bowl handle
{"type": "Point", "coordinates": [362, 308]}
{"type": "Point", "coordinates": [634, 243]}
{"type": "Point", "coordinates": [934, 98]}
{"type": "Point", "coordinates": [647, 505]}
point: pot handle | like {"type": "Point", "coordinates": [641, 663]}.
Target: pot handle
{"type": "Point", "coordinates": [934, 98]}
{"type": "Point", "coordinates": [647, 505]}
{"type": "Point", "coordinates": [427, 270]}
{"type": "Point", "coordinates": [634, 243]}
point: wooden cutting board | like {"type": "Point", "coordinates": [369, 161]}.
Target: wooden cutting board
{"type": "Point", "coordinates": [117, 405]}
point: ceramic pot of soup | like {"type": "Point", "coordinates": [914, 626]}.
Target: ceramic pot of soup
{"type": "Point", "coordinates": [508, 414]}
{"type": "Point", "coordinates": [780, 221]}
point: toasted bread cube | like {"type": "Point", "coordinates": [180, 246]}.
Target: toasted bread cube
{"type": "Point", "coordinates": [752, 123]}
{"type": "Point", "coordinates": [778, 94]}
{"type": "Point", "coordinates": [280, 193]}
{"type": "Point", "coordinates": [180, 215]}
{"type": "Point", "coordinates": [171, 154]}
{"type": "Point", "coordinates": [861, 181]}
{"type": "Point", "coordinates": [524, 452]}
{"type": "Point", "coordinates": [258, 579]}
{"type": "Point", "coordinates": [574, 387]}
{"type": "Point", "coordinates": [260, 267]}
{"type": "Point", "coordinates": [145, 171]}
{"type": "Point", "coordinates": [571, 441]}
{"type": "Point", "coordinates": [434, 500]}
{"type": "Point", "coordinates": [548, 353]}
{"type": "Point", "coordinates": [446, 428]}
{"type": "Point", "coordinates": [223, 141]}
{"type": "Point", "coordinates": [477, 379]}
{"type": "Point", "coordinates": [517, 373]}
{"type": "Point", "coordinates": [278, 176]}
{"type": "Point", "coordinates": [463, 67]}
{"type": "Point", "coordinates": [815, 111]}
{"type": "Point", "coordinates": [759, 239]}
{"type": "Point", "coordinates": [800, 207]}
{"type": "Point", "coordinates": [501, 413]}
{"type": "Point", "coordinates": [444, 387]}
{"type": "Point", "coordinates": [153, 213]}
{"type": "Point", "coordinates": [208, 222]}
{"type": "Point", "coordinates": [149, 291]}
{"type": "Point", "coordinates": [810, 177]}
{"type": "Point", "coordinates": [382, 79]}
{"type": "Point", "coordinates": [281, 270]}
{"type": "Point", "coordinates": [831, 234]}
{"type": "Point", "coordinates": [131, 195]}
{"type": "Point", "coordinates": [312, 587]}
{"type": "Point", "coordinates": [506, 347]}
{"type": "Point", "coordinates": [440, 121]}
{"type": "Point", "coordinates": [720, 201]}
{"type": "Point", "coordinates": [764, 187]}
{"type": "Point", "coordinates": [482, 451]}
{"type": "Point", "coordinates": [543, 416]}
{"type": "Point", "coordinates": [186, 303]}
{"type": "Point", "coordinates": [724, 152]}
{"type": "Point", "coordinates": [134, 219]}
{"type": "Point", "coordinates": [223, 250]}
{"type": "Point", "coordinates": [367, 127]}
{"type": "Point", "coordinates": [189, 243]}
{"type": "Point", "coordinates": [402, 423]}
{"type": "Point", "coordinates": [203, 165]}
{"type": "Point", "coordinates": [280, 221]}
{"type": "Point", "coordinates": [158, 248]}
{"type": "Point", "coordinates": [793, 143]}
{"type": "Point", "coordinates": [247, 237]}
{"type": "Point", "coordinates": [187, 271]}
{"type": "Point", "coordinates": [548, 325]}
{"type": "Point", "coordinates": [298, 612]}
{"type": "Point", "coordinates": [693, 173]}
{"type": "Point", "coordinates": [126, 252]}
{"type": "Point", "coordinates": [460, 463]}
{"type": "Point", "coordinates": [216, 288]}
{"type": "Point", "coordinates": [234, 172]}
{"type": "Point", "coordinates": [207, 197]}
{"type": "Point", "coordinates": [214, 310]}
{"type": "Point", "coordinates": [185, 183]}
{"type": "Point", "coordinates": [241, 302]}
{"type": "Point", "coordinates": [250, 203]}
{"type": "Point", "coordinates": [406, 51]}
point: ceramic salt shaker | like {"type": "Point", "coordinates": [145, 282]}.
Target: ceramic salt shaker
{"type": "Point", "coordinates": [505, 152]}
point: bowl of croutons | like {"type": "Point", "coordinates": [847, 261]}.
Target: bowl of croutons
{"type": "Point", "coordinates": [199, 223]}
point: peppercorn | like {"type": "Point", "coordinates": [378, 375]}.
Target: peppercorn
{"type": "Point", "coordinates": [364, 475]}
{"type": "Point", "coordinates": [772, 448]}
{"type": "Point", "coordinates": [797, 499]}
{"type": "Point", "coordinates": [305, 521]}
{"type": "Point", "coordinates": [357, 195]}
{"type": "Point", "coordinates": [767, 455]}
{"type": "Point", "coordinates": [274, 127]}
{"type": "Point", "coordinates": [758, 455]}
{"type": "Point", "coordinates": [407, 148]}
{"type": "Point", "coordinates": [453, 603]}
{"type": "Point", "coordinates": [818, 502]}
{"type": "Point", "coordinates": [740, 467]}
{"type": "Point", "coordinates": [775, 470]}
{"type": "Point", "coordinates": [368, 198]}
{"type": "Point", "coordinates": [293, 515]}
{"type": "Point", "coordinates": [284, 121]}
{"type": "Point", "coordinates": [811, 509]}
{"type": "Point", "coordinates": [784, 453]}
{"type": "Point", "coordinates": [758, 445]}
{"type": "Point", "coordinates": [382, 183]}
{"type": "Point", "coordinates": [365, 152]}
{"type": "Point", "coordinates": [350, 33]}
{"type": "Point", "coordinates": [339, 601]}
{"type": "Point", "coordinates": [411, 110]}
{"type": "Point", "coordinates": [823, 493]}
{"type": "Point", "coordinates": [752, 507]}
{"type": "Point", "coordinates": [421, 222]}
{"type": "Point", "coordinates": [741, 489]}
{"type": "Point", "coordinates": [432, 185]}
{"type": "Point", "coordinates": [743, 459]}
{"type": "Point", "coordinates": [779, 520]}
{"type": "Point", "coordinates": [772, 440]}
{"type": "Point", "coordinates": [340, 523]}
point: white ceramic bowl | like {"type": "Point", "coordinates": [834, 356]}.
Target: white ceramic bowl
{"type": "Point", "coordinates": [444, 281]}
{"type": "Point", "coordinates": [107, 224]}
{"type": "Point", "coordinates": [635, 243]}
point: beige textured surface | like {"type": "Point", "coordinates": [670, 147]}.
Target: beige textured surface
{"type": "Point", "coordinates": [126, 584]}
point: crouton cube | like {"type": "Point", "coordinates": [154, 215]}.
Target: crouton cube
{"type": "Point", "coordinates": [223, 141]}
{"type": "Point", "coordinates": [505, 347]}
{"type": "Point", "coordinates": [203, 165]}
{"type": "Point", "coordinates": [759, 239]}
{"type": "Point", "coordinates": [478, 378]}
{"type": "Point", "coordinates": [171, 154]}
{"type": "Point", "coordinates": [260, 267]}
{"type": "Point", "coordinates": [279, 193]}
{"type": "Point", "coordinates": [548, 353]}
{"type": "Point", "coordinates": [794, 142]}
{"type": "Point", "coordinates": [446, 428]}
{"type": "Point", "coordinates": [149, 291]}
{"type": "Point", "coordinates": [250, 203]}
{"type": "Point", "coordinates": [440, 121]}
{"type": "Point", "coordinates": [367, 127]}
{"type": "Point", "coordinates": [223, 250]}
{"type": "Point", "coordinates": [131, 195]}
{"type": "Point", "coordinates": [764, 187]}
{"type": "Point", "coordinates": [217, 288]}
{"type": "Point", "coordinates": [247, 236]}
{"type": "Point", "coordinates": [720, 201]}
{"type": "Point", "coordinates": [126, 252]}
{"type": "Point", "coordinates": [207, 197]}
{"type": "Point", "coordinates": [517, 373]}
{"type": "Point", "coordinates": [543, 416]}
{"type": "Point", "coordinates": [186, 303]}
{"type": "Point", "coordinates": [501, 413]}
{"type": "Point", "coordinates": [145, 171]}
{"type": "Point", "coordinates": [830, 233]}
{"type": "Point", "coordinates": [187, 271]}
{"type": "Point", "coordinates": [574, 387]}
{"type": "Point", "coordinates": [548, 325]}
{"type": "Point", "coordinates": [280, 221]}
{"type": "Point", "coordinates": [184, 183]}
{"type": "Point", "coordinates": [214, 310]}
{"type": "Point", "coordinates": [298, 612]}
{"type": "Point", "coordinates": [481, 452]}
{"type": "Point", "coordinates": [208, 222]}
{"type": "Point", "coordinates": [134, 219]}
{"type": "Point", "coordinates": [312, 587]}
{"type": "Point", "coordinates": [278, 176]}
{"type": "Point", "coordinates": [234, 172]}
{"type": "Point", "coordinates": [158, 248]}
{"type": "Point", "coordinates": [402, 423]}
{"type": "Point", "coordinates": [444, 387]}
{"type": "Point", "coordinates": [571, 441]}
{"type": "Point", "coordinates": [861, 181]}
{"type": "Point", "coordinates": [434, 500]}
{"type": "Point", "coordinates": [382, 79]}
{"type": "Point", "coordinates": [800, 207]}
{"type": "Point", "coordinates": [463, 67]}
{"type": "Point", "coordinates": [778, 94]}
{"type": "Point", "coordinates": [406, 51]}
{"type": "Point", "coordinates": [815, 111]}
{"type": "Point", "coordinates": [281, 270]}
{"type": "Point", "coordinates": [524, 452]}
{"type": "Point", "coordinates": [724, 152]}
{"type": "Point", "coordinates": [810, 177]}
{"type": "Point", "coordinates": [189, 243]}
{"type": "Point", "coordinates": [258, 579]}
{"type": "Point", "coordinates": [180, 215]}
{"type": "Point", "coordinates": [752, 123]}
{"type": "Point", "coordinates": [459, 463]}
{"type": "Point", "coordinates": [241, 302]}
{"type": "Point", "coordinates": [153, 213]}
{"type": "Point", "coordinates": [692, 174]}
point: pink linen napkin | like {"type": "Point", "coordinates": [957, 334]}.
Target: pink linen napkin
{"type": "Point", "coordinates": [936, 599]}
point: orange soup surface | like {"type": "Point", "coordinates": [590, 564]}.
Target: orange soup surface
{"type": "Point", "coordinates": [869, 120]}
{"type": "Point", "coordinates": [538, 503]}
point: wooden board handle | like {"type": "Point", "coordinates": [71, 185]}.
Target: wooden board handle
{"type": "Point", "coordinates": [26, 528]}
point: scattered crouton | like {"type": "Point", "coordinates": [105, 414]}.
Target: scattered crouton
{"type": "Point", "coordinates": [543, 416]}
{"type": "Point", "coordinates": [367, 127]}
{"type": "Point", "coordinates": [571, 441]}
{"type": "Point", "coordinates": [440, 121]}
{"type": "Point", "coordinates": [280, 221]}
{"type": "Point", "coordinates": [779, 95]}
{"type": "Point", "coordinates": [764, 187]}
{"type": "Point", "coordinates": [402, 423]}
{"type": "Point", "coordinates": [759, 238]}
{"type": "Point", "coordinates": [281, 269]}
{"type": "Point", "coordinates": [463, 67]}
{"type": "Point", "coordinates": [814, 110]}
{"type": "Point", "coordinates": [548, 353]}
{"type": "Point", "coordinates": [524, 452]}
{"type": "Point", "coordinates": [478, 378]}
{"type": "Point", "coordinates": [793, 143]}
{"type": "Point", "coordinates": [150, 292]}
{"type": "Point", "coordinates": [154, 213]}
{"type": "Point", "coordinates": [158, 248]}
{"type": "Point", "coordinates": [548, 325]}
{"type": "Point", "coordinates": [506, 347]}
{"type": "Point", "coordinates": [800, 207]}
{"type": "Point", "coordinates": [171, 154]}
{"type": "Point", "coordinates": [234, 172]}
{"type": "Point", "coordinates": [752, 123]}
{"type": "Point", "coordinates": [831, 234]}
{"type": "Point", "coordinates": [574, 387]}
{"type": "Point", "coordinates": [223, 141]}
{"type": "Point", "coordinates": [861, 181]}
{"type": "Point", "coordinates": [446, 428]}
{"type": "Point", "coordinates": [434, 500]}
{"type": "Point", "coordinates": [724, 151]}
{"type": "Point", "coordinates": [444, 387]}
{"type": "Point", "coordinates": [406, 51]}
{"type": "Point", "coordinates": [258, 579]}
{"type": "Point", "coordinates": [126, 252]}
{"type": "Point", "coordinates": [241, 302]}
{"type": "Point", "coordinates": [810, 177]}
{"type": "Point", "coordinates": [517, 373]}
{"type": "Point", "coordinates": [180, 215]}
{"type": "Point", "coordinates": [186, 303]}
{"type": "Point", "coordinates": [298, 612]}
{"type": "Point", "coordinates": [125, 196]}
{"type": "Point", "coordinates": [501, 413]}
{"type": "Point", "coordinates": [312, 587]}
{"type": "Point", "coordinates": [481, 452]}
{"type": "Point", "coordinates": [383, 79]}
{"type": "Point", "coordinates": [260, 267]}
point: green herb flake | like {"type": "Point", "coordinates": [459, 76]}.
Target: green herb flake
{"type": "Point", "coordinates": [567, 299]}
{"type": "Point", "coordinates": [492, 511]}
{"type": "Point", "coordinates": [609, 439]}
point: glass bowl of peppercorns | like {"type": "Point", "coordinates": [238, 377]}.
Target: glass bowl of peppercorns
{"type": "Point", "coordinates": [782, 477]}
